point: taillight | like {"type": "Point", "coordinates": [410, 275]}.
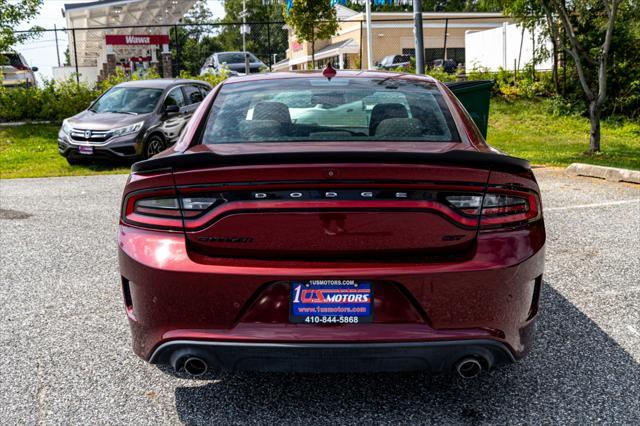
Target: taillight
{"type": "Point", "coordinates": [497, 209]}
{"type": "Point", "coordinates": [167, 209]}
{"type": "Point", "coordinates": [500, 204]}
{"type": "Point", "coordinates": [466, 203]}
{"type": "Point", "coordinates": [509, 208]}
{"type": "Point", "coordinates": [164, 209]}
{"type": "Point", "coordinates": [198, 203]}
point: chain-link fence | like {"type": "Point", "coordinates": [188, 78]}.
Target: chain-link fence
{"type": "Point", "coordinates": [92, 53]}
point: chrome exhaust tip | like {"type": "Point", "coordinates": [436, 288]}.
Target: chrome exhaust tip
{"type": "Point", "coordinates": [195, 366]}
{"type": "Point", "coordinates": [468, 368]}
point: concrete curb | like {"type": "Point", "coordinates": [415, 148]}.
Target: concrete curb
{"type": "Point", "coordinates": [611, 174]}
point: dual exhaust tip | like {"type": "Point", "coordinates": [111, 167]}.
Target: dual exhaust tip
{"type": "Point", "coordinates": [196, 366]}
{"type": "Point", "coordinates": [467, 368]}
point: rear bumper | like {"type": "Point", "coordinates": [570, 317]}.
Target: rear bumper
{"type": "Point", "coordinates": [436, 357]}
{"type": "Point", "coordinates": [173, 295]}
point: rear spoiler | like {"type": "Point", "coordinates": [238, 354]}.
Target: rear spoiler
{"type": "Point", "coordinates": [475, 159]}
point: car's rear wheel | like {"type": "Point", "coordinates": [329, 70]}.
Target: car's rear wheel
{"type": "Point", "coordinates": [154, 145]}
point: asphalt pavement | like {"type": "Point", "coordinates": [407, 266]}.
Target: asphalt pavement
{"type": "Point", "coordinates": [65, 354]}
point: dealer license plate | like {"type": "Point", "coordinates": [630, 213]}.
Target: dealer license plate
{"type": "Point", "coordinates": [331, 302]}
{"type": "Point", "coordinates": [87, 150]}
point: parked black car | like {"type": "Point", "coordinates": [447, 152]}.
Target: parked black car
{"type": "Point", "coordinates": [233, 63]}
{"type": "Point", "coordinates": [392, 62]}
{"type": "Point", "coordinates": [448, 65]}
{"type": "Point", "coordinates": [132, 120]}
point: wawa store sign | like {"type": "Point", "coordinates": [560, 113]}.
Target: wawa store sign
{"type": "Point", "coordinates": [136, 39]}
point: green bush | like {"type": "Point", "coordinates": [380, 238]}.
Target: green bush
{"type": "Point", "coordinates": [440, 74]}
{"type": "Point", "coordinates": [53, 101]}
{"type": "Point", "coordinates": [565, 106]}
{"type": "Point", "coordinates": [64, 99]}
{"type": "Point", "coordinates": [526, 84]}
{"type": "Point", "coordinates": [57, 100]}
{"type": "Point", "coordinates": [121, 77]}
{"type": "Point", "coordinates": [210, 78]}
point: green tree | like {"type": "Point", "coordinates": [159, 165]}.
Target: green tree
{"type": "Point", "coordinates": [67, 57]}
{"type": "Point", "coordinates": [432, 6]}
{"type": "Point", "coordinates": [533, 16]}
{"type": "Point", "coordinates": [267, 36]}
{"type": "Point", "coordinates": [585, 30]}
{"type": "Point", "coordinates": [311, 20]}
{"type": "Point", "coordinates": [12, 14]}
{"type": "Point", "coordinates": [195, 42]}
{"type": "Point", "coordinates": [201, 39]}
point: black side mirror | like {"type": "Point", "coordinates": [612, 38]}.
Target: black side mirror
{"type": "Point", "coordinates": [171, 109]}
{"type": "Point", "coordinates": [34, 69]}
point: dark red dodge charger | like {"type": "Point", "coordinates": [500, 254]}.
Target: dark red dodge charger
{"type": "Point", "coordinates": [319, 222]}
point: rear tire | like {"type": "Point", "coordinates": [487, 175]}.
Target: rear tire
{"type": "Point", "coordinates": [154, 145]}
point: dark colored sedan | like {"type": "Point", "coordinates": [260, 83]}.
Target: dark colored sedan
{"type": "Point", "coordinates": [132, 120]}
{"type": "Point", "coordinates": [232, 63]}
{"type": "Point", "coordinates": [353, 223]}
{"type": "Point", "coordinates": [447, 65]}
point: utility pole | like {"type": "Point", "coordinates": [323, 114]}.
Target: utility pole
{"type": "Point", "coordinates": [75, 55]}
{"type": "Point", "coordinates": [55, 31]}
{"type": "Point", "coordinates": [369, 36]}
{"type": "Point", "coordinates": [243, 31]}
{"type": "Point", "coordinates": [417, 21]}
{"type": "Point", "coordinates": [244, 25]}
{"type": "Point", "coordinates": [444, 48]}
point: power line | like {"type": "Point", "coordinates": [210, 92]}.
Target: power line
{"type": "Point", "coordinates": [37, 47]}
{"type": "Point", "coordinates": [26, 43]}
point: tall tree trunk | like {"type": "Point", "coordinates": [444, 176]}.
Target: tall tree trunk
{"type": "Point", "coordinates": [554, 69]}
{"type": "Point", "coordinates": [594, 117]}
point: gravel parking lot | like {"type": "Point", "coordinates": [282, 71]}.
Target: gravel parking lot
{"type": "Point", "coordinates": [65, 353]}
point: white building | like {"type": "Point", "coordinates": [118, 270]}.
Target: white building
{"type": "Point", "coordinates": [508, 47]}
{"type": "Point", "coordinates": [141, 38]}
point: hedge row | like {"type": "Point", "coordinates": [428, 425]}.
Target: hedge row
{"type": "Point", "coordinates": [55, 101]}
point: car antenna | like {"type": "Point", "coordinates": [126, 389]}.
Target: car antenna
{"type": "Point", "coordinates": [329, 72]}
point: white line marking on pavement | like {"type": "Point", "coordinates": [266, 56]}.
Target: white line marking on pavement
{"type": "Point", "coordinates": [589, 206]}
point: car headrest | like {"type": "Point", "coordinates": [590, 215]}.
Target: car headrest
{"type": "Point", "coordinates": [276, 111]}
{"type": "Point", "coordinates": [431, 121]}
{"type": "Point", "coordinates": [260, 129]}
{"type": "Point", "coordinates": [384, 111]}
{"type": "Point", "coordinates": [390, 128]}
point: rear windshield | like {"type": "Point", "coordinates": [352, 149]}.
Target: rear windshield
{"type": "Point", "coordinates": [11, 59]}
{"type": "Point", "coordinates": [235, 58]}
{"type": "Point", "coordinates": [343, 109]}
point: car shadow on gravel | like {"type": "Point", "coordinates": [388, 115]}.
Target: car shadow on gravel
{"type": "Point", "coordinates": [575, 374]}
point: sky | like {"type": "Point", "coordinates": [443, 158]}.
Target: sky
{"type": "Point", "coordinates": [41, 52]}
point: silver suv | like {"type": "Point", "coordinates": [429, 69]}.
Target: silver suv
{"type": "Point", "coordinates": [132, 120]}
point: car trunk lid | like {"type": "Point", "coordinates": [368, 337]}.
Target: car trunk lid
{"type": "Point", "coordinates": [329, 210]}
